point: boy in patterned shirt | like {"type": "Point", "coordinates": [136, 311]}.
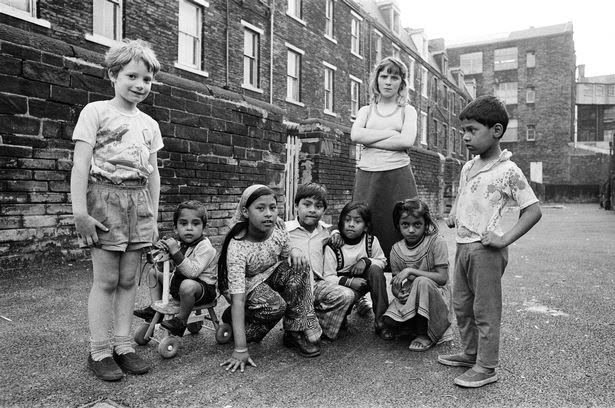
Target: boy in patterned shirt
{"type": "Point", "coordinates": [487, 183]}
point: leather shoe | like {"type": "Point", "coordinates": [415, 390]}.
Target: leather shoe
{"type": "Point", "coordinates": [296, 340]}
{"type": "Point", "coordinates": [175, 326]}
{"type": "Point", "coordinates": [105, 369]}
{"type": "Point", "coordinates": [131, 363]}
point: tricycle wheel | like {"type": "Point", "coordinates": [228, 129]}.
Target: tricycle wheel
{"type": "Point", "coordinates": [168, 347]}
{"type": "Point", "coordinates": [140, 338]}
{"type": "Point", "coordinates": [195, 327]}
{"type": "Point", "coordinates": [224, 333]}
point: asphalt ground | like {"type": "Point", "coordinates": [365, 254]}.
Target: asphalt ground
{"type": "Point", "coordinates": [556, 346]}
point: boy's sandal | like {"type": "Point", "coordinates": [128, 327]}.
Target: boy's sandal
{"type": "Point", "coordinates": [421, 344]}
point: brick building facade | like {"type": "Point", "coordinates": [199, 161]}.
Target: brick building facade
{"type": "Point", "coordinates": [227, 107]}
{"type": "Point", "coordinates": [533, 71]}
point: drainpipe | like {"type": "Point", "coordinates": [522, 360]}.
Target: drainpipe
{"type": "Point", "coordinates": [272, 11]}
{"type": "Point", "coordinates": [226, 51]}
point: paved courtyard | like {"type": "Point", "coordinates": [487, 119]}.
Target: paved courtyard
{"type": "Point", "coordinates": [556, 350]}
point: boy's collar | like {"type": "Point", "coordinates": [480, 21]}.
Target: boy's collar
{"type": "Point", "coordinates": [294, 224]}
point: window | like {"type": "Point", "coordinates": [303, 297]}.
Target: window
{"type": "Point", "coordinates": [424, 82]}
{"type": "Point", "coordinates": [107, 16]}
{"type": "Point", "coordinates": [395, 21]}
{"type": "Point", "coordinates": [396, 52]}
{"type": "Point", "coordinates": [423, 128]}
{"type": "Point", "coordinates": [530, 59]}
{"type": "Point", "coordinates": [530, 95]}
{"type": "Point", "coordinates": [190, 34]}
{"type": "Point", "coordinates": [471, 63]}
{"type": "Point", "coordinates": [612, 90]}
{"type": "Point", "coordinates": [355, 34]}
{"type": "Point", "coordinates": [452, 104]}
{"type": "Point", "coordinates": [511, 132]}
{"type": "Point", "coordinates": [251, 55]}
{"type": "Point", "coordinates": [507, 92]}
{"type": "Point", "coordinates": [411, 73]}
{"type": "Point", "coordinates": [355, 93]}
{"type": "Point", "coordinates": [530, 133]}
{"type": "Point", "coordinates": [454, 141]}
{"type": "Point", "coordinates": [329, 19]}
{"type": "Point", "coordinates": [505, 58]}
{"type": "Point", "coordinates": [24, 10]}
{"type": "Point", "coordinates": [293, 74]}
{"type": "Point", "coordinates": [434, 90]}
{"type": "Point", "coordinates": [445, 97]}
{"type": "Point", "coordinates": [329, 87]}
{"type": "Point", "coordinates": [294, 8]}
{"type": "Point", "coordinates": [445, 136]}
{"type": "Point", "coordinates": [435, 132]}
{"type": "Point", "coordinates": [599, 90]}
{"type": "Point", "coordinates": [378, 45]}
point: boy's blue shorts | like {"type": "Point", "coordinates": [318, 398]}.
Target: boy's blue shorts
{"type": "Point", "coordinates": [127, 211]}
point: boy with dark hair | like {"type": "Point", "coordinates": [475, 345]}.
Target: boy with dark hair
{"type": "Point", "coordinates": [310, 234]}
{"type": "Point", "coordinates": [487, 183]}
{"type": "Point", "coordinates": [194, 257]}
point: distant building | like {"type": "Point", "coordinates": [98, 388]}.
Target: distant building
{"type": "Point", "coordinates": [595, 109]}
{"type": "Point", "coordinates": [533, 72]}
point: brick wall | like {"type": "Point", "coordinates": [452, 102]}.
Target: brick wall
{"type": "Point", "coordinates": [216, 143]}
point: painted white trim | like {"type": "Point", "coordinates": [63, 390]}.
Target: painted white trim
{"type": "Point", "coordinates": [330, 113]}
{"type": "Point", "coordinates": [355, 15]}
{"type": "Point", "coordinates": [354, 78]}
{"type": "Point", "coordinates": [293, 48]}
{"type": "Point", "coordinates": [201, 3]}
{"type": "Point", "coordinates": [356, 55]}
{"type": "Point", "coordinates": [252, 27]}
{"type": "Point", "coordinates": [102, 40]}
{"type": "Point", "coordinates": [22, 15]}
{"type": "Point", "coordinates": [297, 19]}
{"type": "Point", "coordinates": [294, 102]}
{"type": "Point", "coordinates": [326, 64]}
{"type": "Point", "coordinates": [251, 88]}
{"type": "Point", "coordinates": [191, 69]}
{"type": "Point", "coordinates": [333, 40]}
{"type": "Point", "coordinates": [378, 33]}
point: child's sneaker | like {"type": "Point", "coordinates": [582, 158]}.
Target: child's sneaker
{"type": "Point", "coordinates": [175, 326]}
{"type": "Point", "coordinates": [363, 306]}
{"type": "Point", "coordinates": [475, 379]}
{"type": "Point", "coordinates": [457, 360]}
{"type": "Point", "coordinates": [146, 314]}
{"type": "Point", "coordinates": [105, 369]}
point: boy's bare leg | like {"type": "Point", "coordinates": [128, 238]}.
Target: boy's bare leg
{"type": "Point", "coordinates": [126, 292]}
{"type": "Point", "coordinates": [106, 266]}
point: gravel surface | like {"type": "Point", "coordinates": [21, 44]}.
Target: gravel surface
{"type": "Point", "coordinates": [556, 347]}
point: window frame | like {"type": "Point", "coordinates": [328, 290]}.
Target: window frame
{"type": "Point", "coordinates": [253, 61]}
{"type": "Point", "coordinates": [505, 95]}
{"type": "Point", "coordinates": [528, 59]}
{"type": "Point", "coordinates": [30, 15]}
{"type": "Point", "coordinates": [197, 48]}
{"type": "Point", "coordinates": [530, 129]}
{"type": "Point", "coordinates": [472, 59]}
{"type": "Point", "coordinates": [330, 20]}
{"type": "Point", "coordinates": [378, 46]}
{"type": "Point", "coordinates": [424, 119]}
{"type": "Point", "coordinates": [530, 91]}
{"type": "Point", "coordinates": [355, 34]}
{"type": "Point", "coordinates": [295, 78]}
{"type": "Point", "coordinates": [505, 60]}
{"type": "Point", "coordinates": [507, 138]}
{"type": "Point", "coordinates": [355, 95]}
{"type": "Point", "coordinates": [329, 88]}
{"type": "Point", "coordinates": [294, 9]}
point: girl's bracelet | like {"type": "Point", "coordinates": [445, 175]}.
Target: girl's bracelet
{"type": "Point", "coordinates": [243, 350]}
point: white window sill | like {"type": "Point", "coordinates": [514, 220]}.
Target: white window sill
{"type": "Point", "coordinates": [22, 15]}
{"type": "Point", "coordinates": [356, 55]}
{"type": "Point", "coordinates": [99, 39]}
{"type": "Point", "coordinates": [333, 40]}
{"type": "Point", "coordinates": [251, 88]}
{"type": "Point", "coordinates": [330, 113]}
{"type": "Point", "coordinates": [297, 19]}
{"type": "Point", "coordinates": [294, 102]}
{"type": "Point", "coordinates": [191, 69]}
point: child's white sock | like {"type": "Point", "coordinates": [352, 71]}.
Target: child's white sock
{"type": "Point", "coordinates": [122, 345]}
{"type": "Point", "coordinates": [100, 349]}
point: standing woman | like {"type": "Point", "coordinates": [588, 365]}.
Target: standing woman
{"type": "Point", "coordinates": [386, 128]}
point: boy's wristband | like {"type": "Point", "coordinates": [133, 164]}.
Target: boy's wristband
{"type": "Point", "coordinates": [368, 262]}
{"type": "Point", "coordinates": [243, 350]}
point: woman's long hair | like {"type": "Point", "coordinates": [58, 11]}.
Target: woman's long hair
{"type": "Point", "coordinates": [392, 65]}
{"type": "Point", "coordinates": [416, 208]}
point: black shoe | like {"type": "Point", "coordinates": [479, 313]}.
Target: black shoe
{"type": "Point", "coordinates": [131, 363]}
{"type": "Point", "coordinates": [296, 340]}
{"type": "Point", "coordinates": [175, 326]}
{"type": "Point", "coordinates": [105, 369]}
{"type": "Point", "coordinates": [146, 314]}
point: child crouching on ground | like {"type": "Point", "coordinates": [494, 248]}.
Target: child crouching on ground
{"type": "Point", "coordinates": [358, 264]}
{"type": "Point", "coordinates": [194, 260]}
{"type": "Point", "coordinates": [419, 264]}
